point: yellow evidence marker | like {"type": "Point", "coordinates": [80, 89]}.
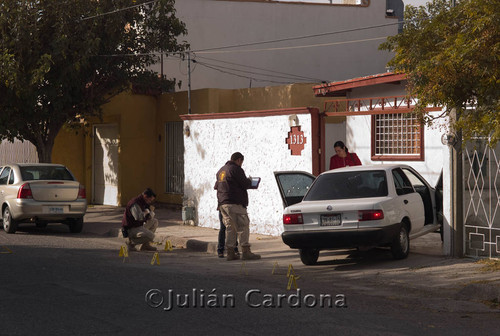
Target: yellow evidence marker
{"type": "Point", "coordinates": [7, 250]}
{"type": "Point", "coordinates": [275, 267]}
{"type": "Point", "coordinates": [292, 280]}
{"type": "Point", "coordinates": [123, 253]}
{"type": "Point", "coordinates": [156, 258]}
{"type": "Point", "coordinates": [168, 246]}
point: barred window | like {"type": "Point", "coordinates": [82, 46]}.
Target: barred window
{"type": "Point", "coordinates": [397, 136]}
{"type": "Point", "coordinates": [174, 148]}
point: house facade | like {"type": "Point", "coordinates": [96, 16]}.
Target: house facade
{"type": "Point", "coordinates": [370, 114]}
{"type": "Point", "coordinates": [139, 142]}
{"type": "Point", "coordinates": [379, 129]}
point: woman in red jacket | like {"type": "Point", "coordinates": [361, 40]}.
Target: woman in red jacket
{"type": "Point", "coordinates": [343, 158]}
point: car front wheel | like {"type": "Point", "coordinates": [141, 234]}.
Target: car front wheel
{"type": "Point", "coordinates": [309, 256]}
{"type": "Point", "coordinates": [400, 247]}
{"type": "Point", "coordinates": [9, 224]}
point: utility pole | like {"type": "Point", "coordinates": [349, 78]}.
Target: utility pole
{"type": "Point", "coordinates": [189, 82]}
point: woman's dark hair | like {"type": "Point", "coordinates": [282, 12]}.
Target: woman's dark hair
{"type": "Point", "coordinates": [341, 145]}
{"type": "Point", "coordinates": [149, 193]}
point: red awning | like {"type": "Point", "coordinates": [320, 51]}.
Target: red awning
{"type": "Point", "coordinates": [338, 89]}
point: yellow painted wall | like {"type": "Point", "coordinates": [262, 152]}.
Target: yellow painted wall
{"type": "Point", "coordinates": [69, 147]}
{"type": "Point", "coordinates": [141, 122]}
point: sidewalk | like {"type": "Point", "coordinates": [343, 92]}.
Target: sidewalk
{"type": "Point", "coordinates": [106, 221]}
{"type": "Point", "coordinates": [464, 279]}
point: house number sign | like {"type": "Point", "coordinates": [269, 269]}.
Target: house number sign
{"type": "Point", "coordinates": [295, 140]}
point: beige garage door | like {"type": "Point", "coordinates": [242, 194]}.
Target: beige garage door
{"type": "Point", "coordinates": [105, 164]}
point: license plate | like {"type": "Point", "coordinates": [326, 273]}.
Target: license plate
{"type": "Point", "coordinates": [55, 210]}
{"type": "Point", "coordinates": [331, 220]}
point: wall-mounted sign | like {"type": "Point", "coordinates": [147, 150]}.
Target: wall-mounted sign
{"type": "Point", "coordinates": [295, 140]}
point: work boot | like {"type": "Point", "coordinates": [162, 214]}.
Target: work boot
{"type": "Point", "coordinates": [231, 255]}
{"type": "Point", "coordinates": [147, 247]}
{"type": "Point", "coordinates": [248, 255]}
{"type": "Point", "coordinates": [131, 246]}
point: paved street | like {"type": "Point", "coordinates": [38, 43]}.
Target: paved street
{"type": "Point", "coordinates": [55, 283]}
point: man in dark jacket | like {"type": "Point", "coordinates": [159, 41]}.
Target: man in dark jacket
{"type": "Point", "coordinates": [232, 198]}
{"type": "Point", "coordinates": [138, 221]}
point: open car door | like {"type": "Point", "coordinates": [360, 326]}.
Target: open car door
{"type": "Point", "coordinates": [293, 185]}
{"type": "Point", "coordinates": [430, 199]}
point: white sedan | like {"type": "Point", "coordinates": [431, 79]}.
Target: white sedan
{"type": "Point", "coordinates": [362, 206]}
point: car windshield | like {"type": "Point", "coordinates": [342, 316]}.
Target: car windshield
{"type": "Point", "coordinates": [30, 173]}
{"type": "Point", "coordinates": [346, 185]}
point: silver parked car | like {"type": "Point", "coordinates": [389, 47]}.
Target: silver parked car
{"type": "Point", "coordinates": [41, 194]}
{"type": "Point", "coordinates": [361, 206]}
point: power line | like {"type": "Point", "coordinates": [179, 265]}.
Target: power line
{"type": "Point", "coordinates": [243, 76]}
{"type": "Point", "coordinates": [289, 48]}
{"type": "Point", "coordinates": [300, 37]}
{"type": "Point", "coordinates": [269, 72]}
{"type": "Point", "coordinates": [254, 50]}
{"type": "Point", "coordinates": [118, 10]}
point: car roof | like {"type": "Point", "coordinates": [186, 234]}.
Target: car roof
{"type": "Point", "coordinates": [382, 166]}
{"type": "Point", "coordinates": [35, 164]}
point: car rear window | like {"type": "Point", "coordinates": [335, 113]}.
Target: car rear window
{"type": "Point", "coordinates": [30, 173]}
{"type": "Point", "coordinates": [346, 185]}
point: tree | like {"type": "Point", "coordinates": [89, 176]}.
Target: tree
{"type": "Point", "coordinates": [451, 55]}
{"type": "Point", "coordinates": [60, 61]}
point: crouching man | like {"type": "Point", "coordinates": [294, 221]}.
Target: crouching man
{"type": "Point", "coordinates": [138, 223]}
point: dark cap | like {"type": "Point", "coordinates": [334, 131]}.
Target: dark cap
{"type": "Point", "coordinates": [237, 156]}
{"type": "Point", "coordinates": [149, 193]}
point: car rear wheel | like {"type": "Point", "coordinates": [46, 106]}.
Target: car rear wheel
{"type": "Point", "coordinates": [400, 247]}
{"type": "Point", "coordinates": [75, 225]}
{"type": "Point", "coordinates": [9, 224]}
{"type": "Point", "coordinates": [40, 224]}
{"type": "Point", "coordinates": [309, 256]}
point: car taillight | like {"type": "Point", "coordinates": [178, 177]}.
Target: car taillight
{"type": "Point", "coordinates": [367, 215]}
{"type": "Point", "coordinates": [81, 192]}
{"type": "Point", "coordinates": [293, 219]}
{"type": "Point", "coordinates": [24, 191]}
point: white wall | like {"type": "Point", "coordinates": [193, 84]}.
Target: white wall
{"type": "Point", "coordinates": [358, 134]}
{"type": "Point", "coordinates": [324, 58]}
{"type": "Point", "coordinates": [262, 141]}
{"type": "Point", "coordinates": [359, 141]}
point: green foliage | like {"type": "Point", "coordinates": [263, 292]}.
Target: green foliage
{"type": "Point", "coordinates": [60, 61]}
{"type": "Point", "coordinates": [452, 58]}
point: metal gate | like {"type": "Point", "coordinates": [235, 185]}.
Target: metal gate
{"type": "Point", "coordinates": [17, 152]}
{"type": "Point", "coordinates": [174, 155]}
{"type": "Point", "coordinates": [481, 169]}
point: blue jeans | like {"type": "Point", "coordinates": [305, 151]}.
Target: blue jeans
{"type": "Point", "coordinates": [222, 237]}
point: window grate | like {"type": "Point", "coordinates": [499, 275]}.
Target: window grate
{"type": "Point", "coordinates": [397, 135]}
{"type": "Point", "coordinates": [174, 158]}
